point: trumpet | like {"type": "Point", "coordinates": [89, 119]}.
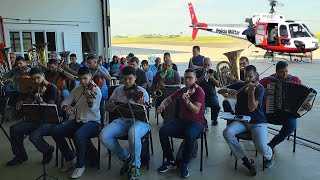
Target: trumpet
{"type": "Point", "coordinates": [208, 73]}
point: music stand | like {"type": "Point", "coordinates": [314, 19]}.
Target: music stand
{"type": "Point", "coordinates": [44, 113]}
{"type": "Point", "coordinates": [124, 111]}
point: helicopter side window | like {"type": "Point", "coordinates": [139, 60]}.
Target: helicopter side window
{"type": "Point", "coordinates": [283, 31]}
{"type": "Point", "coordinates": [308, 30]}
{"type": "Point", "coordinates": [296, 31]}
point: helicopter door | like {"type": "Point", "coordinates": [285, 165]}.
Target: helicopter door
{"type": "Point", "coordinates": [261, 35]}
{"type": "Point", "coordinates": [284, 36]}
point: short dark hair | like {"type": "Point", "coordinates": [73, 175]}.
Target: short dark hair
{"type": "Point", "coordinates": [190, 70]}
{"type": "Point", "coordinates": [166, 54]}
{"type": "Point", "coordinates": [134, 59]}
{"type": "Point", "coordinates": [250, 68]}
{"type": "Point", "coordinates": [84, 70]}
{"type": "Point", "coordinates": [19, 58]}
{"type": "Point", "coordinates": [35, 70]}
{"type": "Point", "coordinates": [91, 57]}
{"type": "Point", "coordinates": [128, 70]}
{"type": "Point", "coordinates": [131, 55]}
{"type": "Point", "coordinates": [244, 58]}
{"type": "Point", "coordinates": [144, 62]}
{"type": "Point", "coordinates": [281, 65]}
{"type": "Point", "coordinates": [196, 47]}
{"type": "Point", "coordinates": [53, 61]}
{"type": "Point", "coordinates": [73, 55]}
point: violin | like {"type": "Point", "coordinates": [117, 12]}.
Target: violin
{"type": "Point", "coordinates": [134, 93]}
{"type": "Point", "coordinates": [91, 87]}
{"type": "Point", "coordinates": [97, 79]}
{"type": "Point", "coordinates": [187, 92]}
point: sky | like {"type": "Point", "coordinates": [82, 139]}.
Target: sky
{"type": "Point", "coordinates": [136, 17]}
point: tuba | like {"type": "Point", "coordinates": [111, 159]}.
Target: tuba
{"type": "Point", "coordinates": [38, 54]}
{"type": "Point", "coordinates": [229, 68]}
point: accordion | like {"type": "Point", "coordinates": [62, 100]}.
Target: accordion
{"type": "Point", "coordinates": [288, 97]}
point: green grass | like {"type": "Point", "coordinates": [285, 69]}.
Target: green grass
{"type": "Point", "coordinates": [317, 35]}
{"type": "Point", "coordinates": [183, 39]}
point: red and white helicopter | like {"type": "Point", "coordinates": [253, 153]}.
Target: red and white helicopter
{"type": "Point", "coordinates": [268, 31]}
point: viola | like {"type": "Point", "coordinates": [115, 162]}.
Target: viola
{"type": "Point", "coordinates": [134, 93]}
{"type": "Point", "coordinates": [98, 81]}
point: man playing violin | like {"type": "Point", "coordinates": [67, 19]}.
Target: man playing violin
{"type": "Point", "coordinates": [102, 75]}
{"type": "Point", "coordinates": [13, 76]}
{"type": "Point", "coordinates": [249, 102]}
{"type": "Point", "coordinates": [48, 92]}
{"type": "Point", "coordinates": [84, 103]}
{"type": "Point", "coordinates": [56, 75]}
{"type": "Point", "coordinates": [188, 125]}
{"type": "Point", "coordinates": [124, 126]}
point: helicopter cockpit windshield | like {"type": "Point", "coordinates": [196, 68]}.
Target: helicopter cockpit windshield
{"type": "Point", "coordinates": [298, 30]}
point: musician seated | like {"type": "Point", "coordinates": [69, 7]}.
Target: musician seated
{"type": "Point", "coordinates": [146, 69]}
{"type": "Point", "coordinates": [243, 62]}
{"type": "Point", "coordinates": [141, 75]}
{"type": "Point", "coordinates": [84, 103]}
{"type": "Point", "coordinates": [289, 121]}
{"type": "Point", "coordinates": [56, 75]}
{"type": "Point", "coordinates": [209, 81]}
{"type": "Point", "coordinates": [188, 124]}
{"type": "Point", "coordinates": [124, 126]}
{"type": "Point", "coordinates": [170, 76]}
{"type": "Point", "coordinates": [12, 77]}
{"type": "Point", "coordinates": [101, 75]}
{"type": "Point", "coordinates": [249, 103]}
{"type": "Point", "coordinates": [48, 92]}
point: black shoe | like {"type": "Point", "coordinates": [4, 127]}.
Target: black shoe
{"type": "Point", "coordinates": [16, 161]}
{"type": "Point", "coordinates": [48, 156]}
{"type": "Point", "coordinates": [125, 167]}
{"type": "Point", "coordinates": [251, 166]}
{"type": "Point", "coordinates": [168, 165]}
{"type": "Point", "coordinates": [214, 122]}
{"type": "Point", "coordinates": [184, 171]}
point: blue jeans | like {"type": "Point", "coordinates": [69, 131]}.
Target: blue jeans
{"type": "Point", "coordinates": [119, 128]}
{"type": "Point", "coordinates": [36, 132]}
{"type": "Point", "coordinates": [186, 130]}
{"type": "Point", "coordinates": [212, 101]}
{"type": "Point", "coordinates": [80, 132]}
{"type": "Point", "coordinates": [259, 134]}
{"type": "Point", "coordinates": [289, 125]}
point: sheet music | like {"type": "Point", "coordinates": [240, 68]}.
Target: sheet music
{"type": "Point", "coordinates": [123, 111]}
{"type": "Point", "coordinates": [231, 117]}
{"type": "Point", "coordinates": [42, 113]}
{"type": "Point", "coordinates": [308, 100]}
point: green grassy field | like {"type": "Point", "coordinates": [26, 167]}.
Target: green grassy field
{"type": "Point", "coordinates": [183, 39]}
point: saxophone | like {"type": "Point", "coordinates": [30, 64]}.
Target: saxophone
{"type": "Point", "coordinates": [159, 91]}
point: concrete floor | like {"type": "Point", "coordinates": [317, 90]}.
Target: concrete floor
{"type": "Point", "coordinates": [301, 165]}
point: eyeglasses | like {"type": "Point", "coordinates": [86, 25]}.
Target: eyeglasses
{"type": "Point", "coordinates": [188, 77]}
